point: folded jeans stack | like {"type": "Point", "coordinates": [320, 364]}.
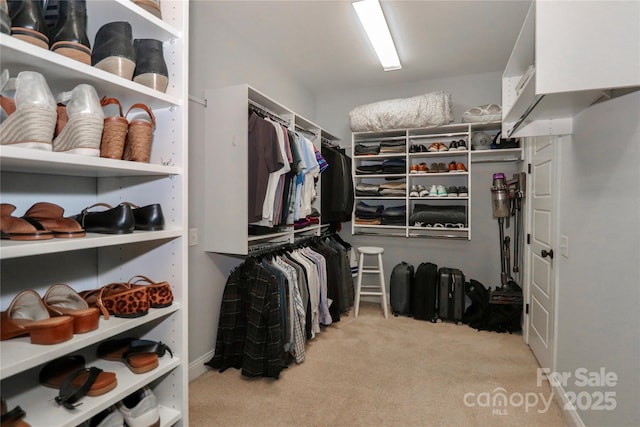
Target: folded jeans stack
{"type": "Point", "coordinates": [369, 169]}
{"type": "Point", "coordinates": [394, 166]}
{"type": "Point", "coordinates": [366, 150]}
{"type": "Point", "coordinates": [364, 189]}
{"type": "Point", "coordinates": [367, 214]}
{"type": "Point", "coordinates": [393, 189]}
{"type": "Point", "coordinates": [392, 147]}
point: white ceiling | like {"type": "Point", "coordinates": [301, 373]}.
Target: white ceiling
{"type": "Point", "coordinates": [322, 44]}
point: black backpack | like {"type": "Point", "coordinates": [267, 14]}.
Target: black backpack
{"type": "Point", "coordinates": [478, 295]}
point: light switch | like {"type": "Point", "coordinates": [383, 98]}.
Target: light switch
{"type": "Point", "coordinates": [564, 246]}
{"type": "Point", "coordinates": [193, 236]}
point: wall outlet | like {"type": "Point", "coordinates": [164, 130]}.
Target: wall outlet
{"type": "Point", "coordinates": [193, 236]}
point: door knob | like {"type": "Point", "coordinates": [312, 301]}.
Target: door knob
{"type": "Point", "coordinates": [546, 253]}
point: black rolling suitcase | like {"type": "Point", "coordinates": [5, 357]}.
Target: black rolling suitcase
{"type": "Point", "coordinates": [400, 287]}
{"type": "Point", "coordinates": [425, 292]}
{"type": "Point", "coordinates": [451, 294]}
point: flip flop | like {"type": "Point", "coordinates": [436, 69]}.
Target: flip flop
{"type": "Point", "coordinates": [140, 356]}
{"type": "Point", "coordinates": [75, 381]}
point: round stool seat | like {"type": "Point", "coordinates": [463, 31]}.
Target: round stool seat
{"type": "Point", "coordinates": [370, 250]}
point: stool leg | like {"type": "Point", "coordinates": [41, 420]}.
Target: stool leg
{"type": "Point", "coordinates": [383, 287]}
{"type": "Point", "coordinates": [356, 303]}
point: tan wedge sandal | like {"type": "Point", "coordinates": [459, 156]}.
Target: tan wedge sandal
{"type": "Point", "coordinates": [140, 135]}
{"type": "Point", "coordinates": [114, 134]}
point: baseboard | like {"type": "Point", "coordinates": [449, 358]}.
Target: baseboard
{"type": "Point", "coordinates": [197, 367]}
{"type": "Point", "coordinates": [571, 414]}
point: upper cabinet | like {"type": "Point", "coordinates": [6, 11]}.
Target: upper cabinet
{"type": "Point", "coordinates": [568, 56]}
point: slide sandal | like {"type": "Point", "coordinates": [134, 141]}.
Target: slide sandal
{"type": "Point", "coordinates": [75, 381]}
{"type": "Point", "coordinates": [140, 356]}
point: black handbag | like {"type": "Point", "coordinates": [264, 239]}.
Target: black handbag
{"type": "Point", "coordinates": [499, 143]}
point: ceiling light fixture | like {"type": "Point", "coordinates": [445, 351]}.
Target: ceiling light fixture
{"type": "Point", "coordinates": [372, 19]}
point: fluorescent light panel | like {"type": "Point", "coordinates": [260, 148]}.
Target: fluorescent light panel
{"type": "Point", "coordinates": [372, 19]}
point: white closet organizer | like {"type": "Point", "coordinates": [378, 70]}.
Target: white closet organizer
{"type": "Point", "coordinates": [544, 87]}
{"type": "Point", "coordinates": [424, 137]}
{"type": "Point", "coordinates": [76, 182]}
{"type": "Point", "coordinates": [226, 205]}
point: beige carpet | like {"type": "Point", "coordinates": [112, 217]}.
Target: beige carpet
{"type": "Point", "coordinates": [396, 372]}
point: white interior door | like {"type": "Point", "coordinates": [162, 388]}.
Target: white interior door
{"type": "Point", "coordinates": [541, 255]}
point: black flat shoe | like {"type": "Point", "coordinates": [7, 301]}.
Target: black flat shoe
{"type": "Point", "coordinates": [147, 218]}
{"type": "Point", "coordinates": [118, 220]}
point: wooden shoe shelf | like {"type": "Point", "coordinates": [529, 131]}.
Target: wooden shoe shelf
{"type": "Point", "coordinates": [76, 182]}
{"type": "Point", "coordinates": [424, 137]}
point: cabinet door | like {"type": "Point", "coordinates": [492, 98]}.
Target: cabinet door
{"type": "Point", "coordinates": [582, 45]}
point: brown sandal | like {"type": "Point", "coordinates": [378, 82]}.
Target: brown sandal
{"type": "Point", "coordinates": [15, 228]}
{"type": "Point", "coordinates": [75, 381]}
{"type": "Point", "coordinates": [62, 300]}
{"type": "Point", "coordinates": [27, 315]}
{"type": "Point", "coordinates": [139, 355]}
{"type": "Point", "coordinates": [50, 216]}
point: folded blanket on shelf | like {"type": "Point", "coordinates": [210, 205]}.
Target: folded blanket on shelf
{"type": "Point", "coordinates": [440, 214]}
{"type": "Point", "coordinates": [430, 109]}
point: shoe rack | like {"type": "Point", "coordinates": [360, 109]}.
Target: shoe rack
{"type": "Point", "coordinates": [424, 137]}
{"type": "Point", "coordinates": [76, 182]}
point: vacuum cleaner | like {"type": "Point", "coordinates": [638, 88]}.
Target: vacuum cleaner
{"type": "Point", "coordinates": [506, 203]}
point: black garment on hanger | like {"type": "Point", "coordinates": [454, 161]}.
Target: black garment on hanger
{"type": "Point", "coordinates": [337, 186]}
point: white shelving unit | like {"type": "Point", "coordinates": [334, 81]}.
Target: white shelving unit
{"type": "Point", "coordinates": [226, 230]}
{"type": "Point", "coordinates": [425, 137]}
{"type": "Point", "coordinates": [76, 182]}
{"type": "Point", "coordinates": [568, 56]}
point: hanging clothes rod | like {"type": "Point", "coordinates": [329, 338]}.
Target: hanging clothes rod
{"type": "Point", "coordinates": [263, 110]}
{"type": "Point", "coordinates": [303, 130]}
{"type": "Point", "coordinates": [329, 142]}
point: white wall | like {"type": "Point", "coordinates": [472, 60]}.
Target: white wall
{"type": "Point", "coordinates": [219, 59]}
{"type": "Point", "coordinates": [466, 92]}
{"type": "Point", "coordinates": [598, 290]}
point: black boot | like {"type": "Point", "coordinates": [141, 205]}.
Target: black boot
{"type": "Point", "coordinates": [151, 69]}
{"type": "Point", "coordinates": [113, 49]}
{"type": "Point", "coordinates": [27, 22]}
{"type": "Point", "coordinates": [69, 36]}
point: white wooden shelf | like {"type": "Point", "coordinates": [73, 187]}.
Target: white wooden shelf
{"type": "Point", "coordinates": [17, 159]}
{"type": "Point", "coordinates": [45, 412]}
{"type": "Point", "coordinates": [75, 182]}
{"type": "Point", "coordinates": [14, 248]}
{"type": "Point", "coordinates": [18, 354]}
{"type": "Point", "coordinates": [426, 136]}
{"type": "Point", "coordinates": [57, 69]}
